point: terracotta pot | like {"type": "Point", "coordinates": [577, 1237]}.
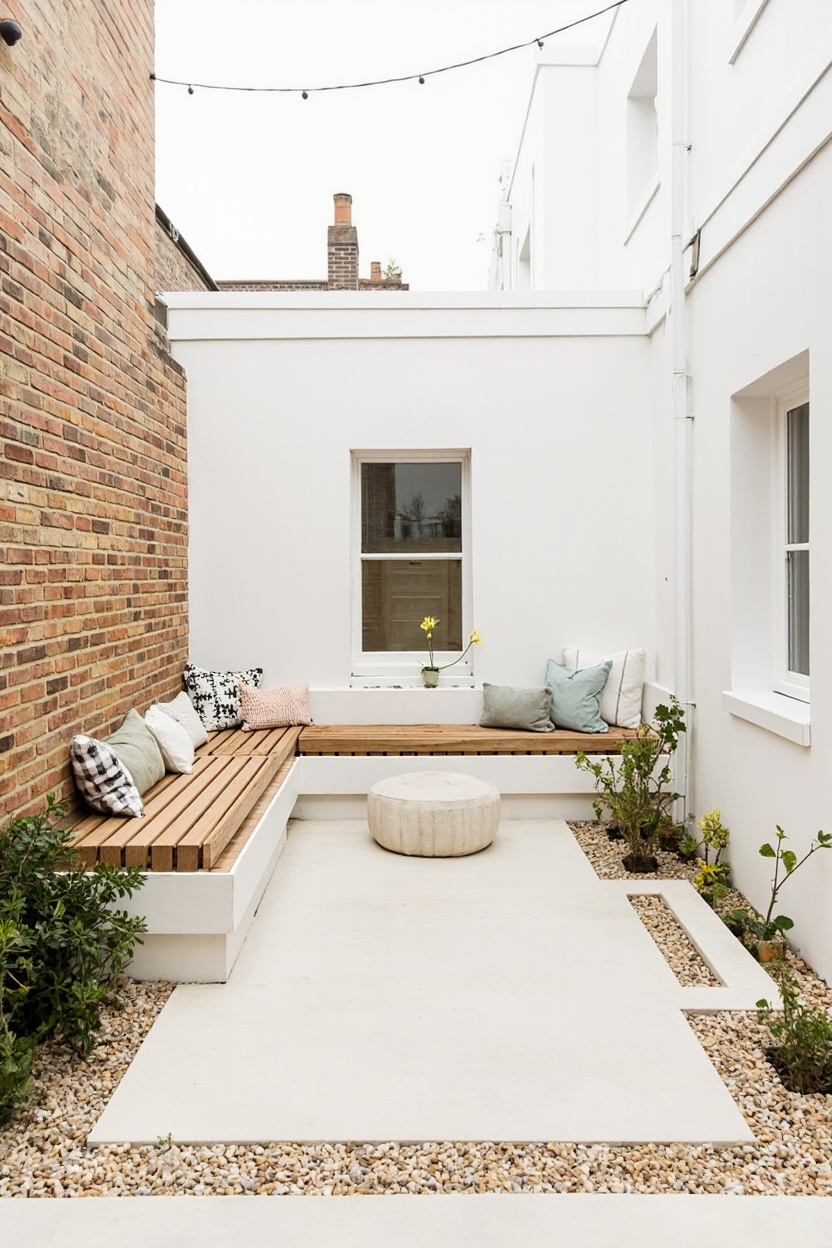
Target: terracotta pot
{"type": "Point", "coordinates": [430, 677]}
{"type": "Point", "coordinates": [769, 950]}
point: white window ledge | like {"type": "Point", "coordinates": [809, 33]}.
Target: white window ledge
{"type": "Point", "coordinates": [787, 717]}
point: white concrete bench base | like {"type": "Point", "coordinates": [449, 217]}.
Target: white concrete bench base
{"type": "Point", "coordinates": [433, 814]}
{"type": "Point", "coordinates": [197, 920]}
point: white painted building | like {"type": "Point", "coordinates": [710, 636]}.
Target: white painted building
{"type": "Point", "coordinates": [621, 458]}
{"type": "Point", "coordinates": [710, 121]}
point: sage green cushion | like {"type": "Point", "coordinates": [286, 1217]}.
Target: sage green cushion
{"type": "Point", "coordinates": [134, 745]}
{"type": "Point", "coordinates": [576, 696]}
{"type": "Point", "coordinates": [505, 707]}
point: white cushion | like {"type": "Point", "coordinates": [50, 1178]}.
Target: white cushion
{"type": "Point", "coordinates": [173, 740]}
{"type": "Point", "coordinates": [184, 712]}
{"type": "Point", "coordinates": [621, 696]}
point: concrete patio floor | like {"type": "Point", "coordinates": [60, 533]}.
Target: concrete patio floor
{"type": "Point", "coordinates": [576, 1221]}
{"type": "Point", "coordinates": [510, 995]}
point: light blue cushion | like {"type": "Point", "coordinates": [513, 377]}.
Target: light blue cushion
{"type": "Point", "coordinates": [576, 696]}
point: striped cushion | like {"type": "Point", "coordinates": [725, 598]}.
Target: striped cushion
{"type": "Point", "coordinates": [274, 708]}
{"type": "Point", "coordinates": [103, 781]}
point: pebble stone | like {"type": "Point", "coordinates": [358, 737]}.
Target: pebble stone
{"type": "Point", "coordinates": [43, 1149]}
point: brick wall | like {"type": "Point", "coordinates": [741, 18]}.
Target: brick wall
{"type": "Point", "coordinates": [174, 270]}
{"type": "Point", "coordinates": [93, 491]}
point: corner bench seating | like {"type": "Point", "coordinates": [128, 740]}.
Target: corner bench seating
{"type": "Point", "coordinates": [211, 840]}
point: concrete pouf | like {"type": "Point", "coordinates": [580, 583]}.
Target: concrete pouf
{"type": "Point", "coordinates": [433, 814]}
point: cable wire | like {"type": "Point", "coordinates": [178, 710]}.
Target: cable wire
{"type": "Point", "coordinates": [420, 77]}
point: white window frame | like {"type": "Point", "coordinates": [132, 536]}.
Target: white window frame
{"type": "Point", "coordinates": [792, 684]}
{"type": "Point", "coordinates": [382, 667]}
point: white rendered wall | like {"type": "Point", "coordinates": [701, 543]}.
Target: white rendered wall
{"type": "Point", "coordinates": [748, 317]}
{"type": "Point", "coordinates": [559, 430]}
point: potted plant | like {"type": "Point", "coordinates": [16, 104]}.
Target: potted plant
{"type": "Point", "coordinates": [636, 794]}
{"type": "Point", "coordinates": [430, 672]}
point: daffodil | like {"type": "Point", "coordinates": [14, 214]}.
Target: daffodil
{"type": "Point", "coordinates": [428, 626]}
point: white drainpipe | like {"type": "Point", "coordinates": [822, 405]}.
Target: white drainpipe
{"type": "Point", "coordinates": [682, 418]}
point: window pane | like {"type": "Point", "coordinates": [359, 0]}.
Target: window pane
{"type": "Point", "coordinates": [397, 594]}
{"type": "Point", "coordinates": [798, 580]}
{"type": "Point", "coordinates": [798, 474]}
{"type": "Point", "coordinates": [411, 507]}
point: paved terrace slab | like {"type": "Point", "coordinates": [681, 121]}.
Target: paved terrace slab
{"type": "Point", "coordinates": [502, 1221]}
{"type": "Point", "coordinates": [509, 995]}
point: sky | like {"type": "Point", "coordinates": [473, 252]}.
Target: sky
{"type": "Point", "coordinates": [248, 178]}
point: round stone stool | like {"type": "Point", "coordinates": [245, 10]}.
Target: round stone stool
{"type": "Point", "coordinates": [433, 814]}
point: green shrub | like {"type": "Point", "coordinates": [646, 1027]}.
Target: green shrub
{"type": "Point", "coordinates": [802, 1035]}
{"type": "Point", "coordinates": [635, 794]}
{"type": "Point", "coordinates": [63, 943]}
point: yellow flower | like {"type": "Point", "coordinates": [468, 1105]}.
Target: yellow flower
{"type": "Point", "coordinates": [428, 624]}
{"type": "Point", "coordinates": [474, 638]}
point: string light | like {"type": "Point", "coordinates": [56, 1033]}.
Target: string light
{"type": "Point", "coordinates": [304, 92]}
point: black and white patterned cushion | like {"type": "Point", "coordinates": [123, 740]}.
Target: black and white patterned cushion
{"type": "Point", "coordinates": [102, 779]}
{"type": "Point", "coordinates": [216, 695]}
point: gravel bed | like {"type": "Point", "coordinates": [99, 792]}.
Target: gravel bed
{"type": "Point", "coordinates": [43, 1153]}
{"type": "Point", "coordinates": [681, 955]}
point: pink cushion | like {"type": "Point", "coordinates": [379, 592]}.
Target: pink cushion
{"type": "Point", "coordinates": [274, 708]}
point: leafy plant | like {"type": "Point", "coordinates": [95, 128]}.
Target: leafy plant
{"type": "Point", "coordinates": [63, 943]}
{"type": "Point", "coordinates": [802, 1035]}
{"type": "Point", "coordinates": [750, 929]}
{"type": "Point", "coordinates": [713, 879]}
{"type": "Point", "coordinates": [636, 794]}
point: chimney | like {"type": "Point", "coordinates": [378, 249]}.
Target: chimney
{"type": "Point", "coordinates": [375, 270]}
{"type": "Point", "coordinates": [342, 247]}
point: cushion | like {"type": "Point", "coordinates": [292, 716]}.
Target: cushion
{"type": "Point", "coordinates": [182, 710]}
{"type": "Point", "coordinates": [174, 741]}
{"type": "Point", "coordinates": [274, 708]}
{"type": "Point", "coordinates": [135, 746]}
{"type": "Point", "coordinates": [505, 707]}
{"type": "Point", "coordinates": [576, 696]}
{"type": "Point", "coordinates": [216, 695]}
{"type": "Point", "coordinates": [621, 698]}
{"type": "Point", "coordinates": [103, 781]}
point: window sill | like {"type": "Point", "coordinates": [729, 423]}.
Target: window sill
{"type": "Point", "coordinates": [787, 717]}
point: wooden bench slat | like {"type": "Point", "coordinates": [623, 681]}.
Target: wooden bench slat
{"type": "Point", "coordinates": [97, 830]}
{"type": "Point", "coordinates": [234, 847]}
{"type": "Point", "coordinates": [208, 837]}
{"type": "Point", "coordinates": [158, 846]}
{"type": "Point", "coordinates": [129, 839]}
{"type": "Point", "coordinates": [426, 739]}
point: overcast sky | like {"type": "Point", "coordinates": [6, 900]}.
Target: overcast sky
{"type": "Point", "coordinates": [248, 179]}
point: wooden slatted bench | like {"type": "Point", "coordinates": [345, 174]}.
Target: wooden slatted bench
{"type": "Point", "coordinates": [462, 739]}
{"type": "Point", "coordinates": [192, 820]}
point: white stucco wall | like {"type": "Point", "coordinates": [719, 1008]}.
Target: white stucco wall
{"type": "Point", "coordinates": [756, 188]}
{"type": "Point", "coordinates": [552, 401]}
{"type": "Point", "coordinates": [748, 318]}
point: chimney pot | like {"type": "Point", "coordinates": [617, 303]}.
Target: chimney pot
{"type": "Point", "coordinates": [343, 209]}
{"type": "Point", "coordinates": [375, 270]}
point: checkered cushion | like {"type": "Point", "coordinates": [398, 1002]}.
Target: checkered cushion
{"type": "Point", "coordinates": [274, 708]}
{"type": "Point", "coordinates": [103, 781]}
{"type": "Point", "coordinates": [216, 695]}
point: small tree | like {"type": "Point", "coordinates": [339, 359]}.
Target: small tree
{"type": "Point", "coordinates": [636, 794]}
